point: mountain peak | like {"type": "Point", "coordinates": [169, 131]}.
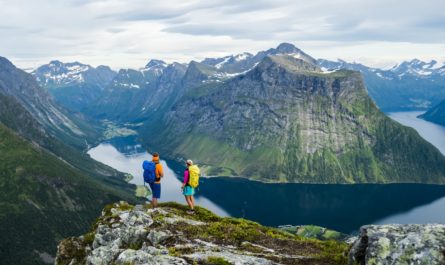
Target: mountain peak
{"type": "Point", "coordinates": [155, 63]}
{"type": "Point", "coordinates": [104, 67]}
{"type": "Point", "coordinates": [290, 49]}
{"type": "Point", "coordinates": [55, 63]}
{"type": "Point", "coordinates": [4, 62]}
{"type": "Point", "coordinates": [289, 63]}
{"type": "Point", "coordinates": [287, 48]}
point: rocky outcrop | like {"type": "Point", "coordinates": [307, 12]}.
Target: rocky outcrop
{"type": "Point", "coordinates": [127, 234]}
{"type": "Point", "coordinates": [399, 244]}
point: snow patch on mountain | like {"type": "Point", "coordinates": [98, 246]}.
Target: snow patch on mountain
{"type": "Point", "coordinates": [242, 56]}
{"type": "Point", "coordinates": [221, 64]}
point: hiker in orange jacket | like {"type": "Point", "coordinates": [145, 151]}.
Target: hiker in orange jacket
{"type": "Point", "coordinates": [156, 186]}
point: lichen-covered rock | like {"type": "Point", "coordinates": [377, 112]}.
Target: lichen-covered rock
{"type": "Point", "coordinates": [70, 250]}
{"type": "Point", "coordinates": [131, 256]}
{"type": "Point", "coordinates": [103, 255]}
{"type": "Point", "coordinates": [399, 244]}
{"type": "Point", "coordinates": [127, 234]}
{"type": "Point", "coordinates": [156, 237]}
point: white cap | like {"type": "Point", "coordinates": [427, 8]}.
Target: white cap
{"type": "Point", "coordinates": [190, 162]}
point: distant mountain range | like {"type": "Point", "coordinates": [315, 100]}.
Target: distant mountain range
{"type": "Point", "coordinates": [413, 85]}
{"type": "Point", "coordinates": [281, 116]}
{"type": "Point", "coordinates": [74, 85]}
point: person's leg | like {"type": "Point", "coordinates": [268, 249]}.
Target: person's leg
{"type": "Point", "coordinates": [192, 203]}
{"type": "Point", "coordinates": [189, 202]}
{"type": "Point", "coordinates": [156, 190]}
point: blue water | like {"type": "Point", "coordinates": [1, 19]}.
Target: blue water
{"type": "Point", "coordinates": [341, 207]}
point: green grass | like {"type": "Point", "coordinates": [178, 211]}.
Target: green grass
{"type": "Point", "coordinates": [217, 261]}
{"type": "Point", "coordinates": [237, 231]}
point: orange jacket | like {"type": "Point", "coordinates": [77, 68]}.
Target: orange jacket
{"type": "Point", "coordinates": [159, 172]}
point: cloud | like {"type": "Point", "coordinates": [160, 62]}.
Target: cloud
{"type": "Point", "coordinates": [128, 33]}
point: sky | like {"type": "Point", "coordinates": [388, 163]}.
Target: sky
{"type": "Point", "coordinates": [126, 34]}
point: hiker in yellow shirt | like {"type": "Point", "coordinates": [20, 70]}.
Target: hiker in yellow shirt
{"type": "Point", "coordinates": [188, 190]}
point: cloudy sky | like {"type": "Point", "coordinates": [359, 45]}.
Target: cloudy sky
{"type": "Point", "coordinates": [126, 34]}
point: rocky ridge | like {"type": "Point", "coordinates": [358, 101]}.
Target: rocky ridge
{"type": "Point", "coordinates": [127, 234]}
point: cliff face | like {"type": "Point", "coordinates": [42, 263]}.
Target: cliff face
{"type": "Point", "coordinates": [287, 121]}
{"type": "Point", "coordinates": [126, 234]}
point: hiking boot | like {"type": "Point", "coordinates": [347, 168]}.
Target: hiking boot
{"type": "Point", "coordinates": [191, 211]}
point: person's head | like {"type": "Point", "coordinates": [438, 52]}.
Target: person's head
{"type": "Point", "coordinates": [155, 157]}
{"type": "Point", "coordinates": [189, 163]}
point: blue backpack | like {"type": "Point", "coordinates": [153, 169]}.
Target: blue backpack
{"type": "Point", "coordinates": [149, 171]}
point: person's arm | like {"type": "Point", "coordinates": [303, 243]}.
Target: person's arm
{"type": "Point", "coordinates": [159, 171]}
{"type": "Point", "coordinates": [186, 178]}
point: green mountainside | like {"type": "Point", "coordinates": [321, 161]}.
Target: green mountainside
{"type": "Point", "coordinates": [436, 114]}
{"type": "Point", "coordinates": [16, 117]}
{"type": "Point", "coordinates": [286, 121]}
{"type": "Point", "coordinates": [43, 200]}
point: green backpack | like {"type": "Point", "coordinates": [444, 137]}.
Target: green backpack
{"type": "Point", "coordinates": [194, 176]}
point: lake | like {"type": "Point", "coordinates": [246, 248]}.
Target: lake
{"type": "Point", "coordinates": [340, 207]}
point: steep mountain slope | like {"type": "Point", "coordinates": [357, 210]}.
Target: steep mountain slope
{"type": "Point", "coordinates": [16, 117]}
{"type": "Point", "coordinates": [54, 119]}
{"type": "Point", "coordinates": [43, 200]}
{"type": "Point", "coordinates": [436, 114]}
{"type": "Point", "coordinates": [48, 188]}
{"type": "Point", "coordinates": [287, 121]}
{"type": "Point", "coordinates": [74, 85]}
{"type": "Point", "coordinates": [413, 85]}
